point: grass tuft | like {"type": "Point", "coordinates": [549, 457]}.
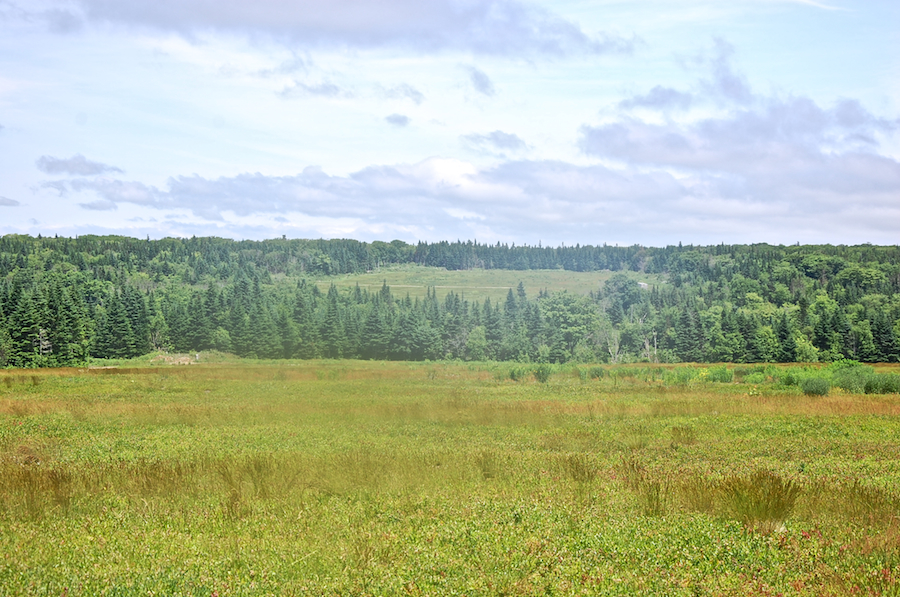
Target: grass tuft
{"type": "Point", "coordinates": [761, 501]}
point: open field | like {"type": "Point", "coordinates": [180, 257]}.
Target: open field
{"type": "Point", "coordinates": [477, 284]}
{"type": "Point", "coordinates": [372, 478]}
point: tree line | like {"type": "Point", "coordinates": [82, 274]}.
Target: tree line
{"type": "Point", "coordinates": [64, 301]}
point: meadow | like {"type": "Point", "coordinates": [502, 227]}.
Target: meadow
{"type": "Point", "coordinates": [396, 478]}
{"type": "Point", "coordinates": [477, 284]}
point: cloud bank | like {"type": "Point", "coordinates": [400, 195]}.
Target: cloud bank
{"type": "Point", "coordinates": [784, 155]}
{"type": "Point", "coordinates": [549, 200]}
{"type": "Point", "coordinates": [493, 27]}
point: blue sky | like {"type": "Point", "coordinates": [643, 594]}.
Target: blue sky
{"type": "Point", "coordinates": [569, 122]}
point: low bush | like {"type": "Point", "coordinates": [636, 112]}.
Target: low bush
{"type": "Point", "coordinates": [518, 373]}
{"type": "Point", "coordinates": [850, 375]}
{"type": "Point", "coordinates": [680, 375]}
{"type": "Point", "coordinates": [815, 386]}
{"type": "Point", "coordinates": [720, 374]}
{"type": "Point", "coordinates": [543, 372]}
{"type": "Point", "coordinates": [757, 377]}
{"type": "Point", "coordinates": [789, 378]}
{"type": "Point", "coordinates": [596, 372]}
{"type": "Point", "coordinates": [882, 383]}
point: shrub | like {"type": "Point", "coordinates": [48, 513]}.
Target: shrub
{"type": "Point", "coordinates": [851, 376]}
{"type": "Point", "coordinates": [757, 377]}
{"type": "Point", "coordinates": [720, 374]}
{"type": "Point", "coordinates": [596, 372]}
{"type": "Point", "coordinates": [543, 372]}
{"type": "Point", "coordinates": [815, 386]}
{"type": "Point", "coordinates": [890, 383]}
{"type": "Point", "coordinates": [517, 373]}
{"type": "Point", "coordinates": [883, 383]}
{"type": "Point", "coordinates": [789, 378]}
{"type": "Point", "coordinates": [680, 375]}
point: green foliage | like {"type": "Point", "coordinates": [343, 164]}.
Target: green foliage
{"type": "Point", "coordinates": [518, 373]}
{"type": "Point", "coordinates": [65, 301]}
{"type": "Point", "coordinates": [883, 383]}
{"type": "Point", "coordinates": [755, 378]}
{"type": "Point", "coordinates": [720, 374]}
{"type": "Point", "coordinates": [681, 375]}
{"type": "Point", "coordinates": [850, 375]}
{"type": "Point", "coordinates": [543, 372]}
{"type": "Point", "coordinates": [815, 386]}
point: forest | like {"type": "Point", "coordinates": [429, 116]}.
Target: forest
{"type": "Point", "coordinates": [66, 301]}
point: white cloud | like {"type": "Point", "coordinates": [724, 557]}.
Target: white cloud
{"type": "Point", "coordinates": [7, 202]}
{"type": "Point", "coordinates": [495, 143]}
{"type": "Point", "coordinates": [407, 91]}
{"type": "Point", "coordinates": [659, 98]}
{"type": "Point", "coordinates": [760, 157]}
{"type": "Point", "coordinates": [398, 120]}
{"type": "Point", "coordinates": [525, 200]}
{"type": "Point", "coordinates": [496, 27]}
{"type": "Point", "coordinates": [321, 89]}
{"type": "Point", "coordinates": [481, 82]}
{"type": "Point", "coordinates": [77, 165]}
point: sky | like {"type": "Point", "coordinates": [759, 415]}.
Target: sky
{"type": "Point", "coordinates": [646, 122]}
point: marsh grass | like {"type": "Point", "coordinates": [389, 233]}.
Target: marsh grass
{"type": "Point", "coordinates": [761, 500]}
{"type": "Point", "coordinates": [333, 477]}
{"type": "Point", "coordinates": [653, 490]}
{"type": "Point", "coordinates": [683, 435]}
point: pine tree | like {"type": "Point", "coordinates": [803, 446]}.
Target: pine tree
{"type": "Point", "coordinates": [784, 331]}
{"type": "Point", "coordinates": [333, 329]}
{"type": "Point", "coordinates": [688, 337]}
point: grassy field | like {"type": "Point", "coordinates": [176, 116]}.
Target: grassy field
{"type": "Point", "coordinates": [477, 284]}
{"type": "Point", "coordinates": [371, 478]}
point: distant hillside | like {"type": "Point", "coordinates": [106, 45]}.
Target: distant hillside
{"type": "Point", "coordinates": [65, 300]}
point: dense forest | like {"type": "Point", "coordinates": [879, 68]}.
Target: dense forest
{"type": "Point", "coordinates": [64, 301]}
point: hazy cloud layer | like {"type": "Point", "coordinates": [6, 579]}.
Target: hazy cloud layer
{"type": "Point", "coordinates": [77, 165]}
{"type": "Point", "coordinates": [7, 202]}
{"type": "Point", "coordinates": [483, 26]}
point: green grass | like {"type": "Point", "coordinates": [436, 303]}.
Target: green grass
{"type": "Point", "coordinates": [477, 284]}
{"type": "Point", "coordinates": [371, 478]}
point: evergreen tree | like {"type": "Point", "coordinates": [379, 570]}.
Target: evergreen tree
{"type": "Point", "coordinates": [784, 331]}
{"type": "Point", "coordinates": [688, 337]}
{"type": "Point", "coordinates": [333, 337]}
